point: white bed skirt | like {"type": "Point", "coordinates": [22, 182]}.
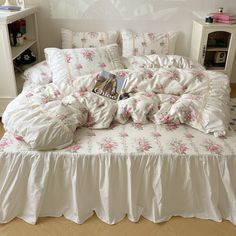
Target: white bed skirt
{"type": "Point", "coordinates": [113, 186]}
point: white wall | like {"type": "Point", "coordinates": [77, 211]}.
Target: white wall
{"type": "Point", "coordinates": [139, 15]}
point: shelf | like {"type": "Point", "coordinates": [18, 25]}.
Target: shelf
{"type": "Point", "coordinates": [217, 49]}
{"type": "Point", "coordinates": [9, 17]}
{"type": "Point", "coordinates": [221, 68]}
{"type": "Point", "coordinates": [16, 51]}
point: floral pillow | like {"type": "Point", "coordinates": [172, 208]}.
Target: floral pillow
{"type": "Point", "coordinates": [67, 64]}
{"type": "Point", "coordinates": [72, 39]}
{"type": "Point", "coordinates": [138, 44]}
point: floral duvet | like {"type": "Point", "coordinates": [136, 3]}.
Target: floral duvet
{"type": "Point", "coordinates": [47, 116]}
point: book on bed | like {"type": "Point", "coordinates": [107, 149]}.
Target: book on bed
{"type": "Point", "coordinates": [110, 85]}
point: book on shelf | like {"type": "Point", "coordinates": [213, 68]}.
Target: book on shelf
{"type": "Point", "coordinates": [110, 85]}
{"type": "Point", "coordinates": [9, 8]}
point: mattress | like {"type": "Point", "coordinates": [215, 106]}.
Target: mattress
{"type": "Point", "coordinates": [133, 170]}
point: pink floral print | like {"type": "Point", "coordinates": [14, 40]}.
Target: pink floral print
{"type": "Point", "coordinates": [142, 145]}
{"type": "Point", "coordinates": [151, 36]}
{"type": "Point", "coordinates": [79, 66]}
{"type": "Point", "coordinates": [188, 135]}
{"type": "Point", "coordinates": [148, 74]}
{"type": "Point", "coordinates": [122, 74]}
{"type": "Point", "coordinates": [113, 125]}
{"type": "Point", "coordinates": [108, 145]}
{"type": "Point", "coordinates": [88, 54]}
{"type": "Point", "coordinates": [156, 134]}
{"type": "Point", "coordinates": [165, 119]}
{"type": "Point", "coordinates": [159, 87]}
{"type": "Point", "coordinates": [5, 143]}
{"type": "Point", "coordinates": [29, 94]}
{"type": "Point", "coordinates": [90, 120]}
{"type": "Point", "coordinates": [102, 65]}
{"type": "Point", "coordinates": [173, 75]}
{"type": "Point", "coordinates": [212, 147]}
{"type": "Point", "coordinates": [68, 58]}
{"type": "Point", "coordinates": [171, 126]}
{"type": "Point", "coordinates": [137, 126]}
{"type": "Point", "coordinates": [126, 113]}
{"type": "Point", "coordinates": [178, 147]}
{"type": "Point", "coordinates": [61, 117]}
{"type": "Point", "coordinates": [93, 34]}
{"type": "Point", "coordinates": [123, 134]}
{"type": "Point", "coordinates": [19, 138]}
{"type": "Point", "coordinates": [189, 115]}
{"type": "Point", "coordinates": [75, 147]}
{"type": "Point", "coordinates": [199, 75]}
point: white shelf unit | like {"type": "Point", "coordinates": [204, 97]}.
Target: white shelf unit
{"type": "Point", "coordinates": [9, 84]}
{"type": "Point", "coordinates": [210, 40]}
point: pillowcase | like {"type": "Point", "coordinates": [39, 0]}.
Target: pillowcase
{"type": "Point", "coordinates": [139, 44]}
{"type": "Point", "coordinates": [72, 39]}
{"type": "Point", "coordinates": [158, 61]}
{"type": "Point", "coordinates": [67, 64]}
{"type": "Point", "coordinates": [38, 74]}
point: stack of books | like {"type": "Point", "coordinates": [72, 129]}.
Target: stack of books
{"type": "Point", "coordinates": [9, 8]}
{"type": "Point", "coordinates": [225, 18]}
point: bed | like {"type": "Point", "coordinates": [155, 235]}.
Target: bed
{"type": "Point", "coordinates": [114, 167]}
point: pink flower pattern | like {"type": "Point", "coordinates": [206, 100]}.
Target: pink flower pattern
{"type": "Point", "coordinates": [142, 145]}
{"type": "Point", "coordinates": [156, 134]}
{"type": "Point", "coordinates": [75, 147]}
{"type": "Point", "coordinates": [138, 126]}
{"type": "Point", "coordinates": [88, 54]}
{"type": "Point", "coordinates": [4, 143]}
{"type": "Point", "coordinates": [108, 145]}
{"type": "Point", "coordinates": [178, 147]}
{"type": "Point", "coordinates": [212, 147]}
{"type": "Point", "coordinates": [123, 134]}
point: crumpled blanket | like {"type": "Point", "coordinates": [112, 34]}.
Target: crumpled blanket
{"type": "Point", "coordinates": [47, 116]}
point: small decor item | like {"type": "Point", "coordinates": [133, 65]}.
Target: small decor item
{"type": "Point", "coordinates": [17, 32]}
{"type": "Point", "coordinates": [223, 17]}
{"type": "Point", "coordinates": [7, 6]}
{"type": "Point", "coordinates": [209, 19]}
{"type": "Point", "coordinates": [220, 9]}
{"type": "Point", "coordinates": [27, 57]}
{"type": "Point", "coordinates": [21, 4]}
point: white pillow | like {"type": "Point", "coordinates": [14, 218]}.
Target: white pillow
{"type": "Point", "coordinates": [67, 64]}
{"type": "Point", "coordinates": [139, 44]}
{"type": "Point", "coordinates": [72, 39]}
{"type": "Point", "coordinates": [38, 74]}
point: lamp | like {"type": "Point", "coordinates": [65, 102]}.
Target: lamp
{"type": "Point", "coordinates": [7, 3]}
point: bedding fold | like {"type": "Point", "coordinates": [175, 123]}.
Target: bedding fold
{"type": "Point", "coordinates": [194, 97]}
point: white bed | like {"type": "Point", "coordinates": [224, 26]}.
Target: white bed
{"type": "Point", "coordinates": [150, 170]}
{"type": "Point", "coordinates": [154, 171]}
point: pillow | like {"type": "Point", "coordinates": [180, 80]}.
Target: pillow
{"type": "Point", "coordinates": [72, 39]}
{"type": "Point", "coordinates": [139, 44]}
{"type": "Point", "coordinates": [158, 61]}
{"type": "Point", "coordinates": [38, 74]}
{"type": "Point", "coordinates": [67, 64]}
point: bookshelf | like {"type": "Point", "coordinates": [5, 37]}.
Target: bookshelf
{"type": "Point", "coordinates": [214, 45]}
{"type": "Point", "coordinates": [10, 82]}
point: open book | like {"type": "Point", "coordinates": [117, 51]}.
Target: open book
{"type": "Point", "coordinates": [110, 86]}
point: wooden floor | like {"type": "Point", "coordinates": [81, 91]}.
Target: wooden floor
{"type": "Point", "coordinates": [177, 226]}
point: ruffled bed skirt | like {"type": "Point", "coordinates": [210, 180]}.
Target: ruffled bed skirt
{"type": "Point", "coordinates": [157, 187]}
